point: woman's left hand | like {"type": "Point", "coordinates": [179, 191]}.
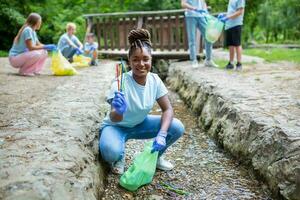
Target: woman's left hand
{"type": "Point", "coordinates": [159, 142]}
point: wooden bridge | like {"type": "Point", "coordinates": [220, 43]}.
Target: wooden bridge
{"type": "Point", "coordinates": [167, 29]}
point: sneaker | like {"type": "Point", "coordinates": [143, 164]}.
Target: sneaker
{"type": "Point", "coordinates": [94, 63]}
{"type": "Point", "coordinates": [229, 66]}
{"type": "Point", "coordinates": [195, 64]}
{"type": "Point", "coordinates": [118, 167]}
{"type": "Point", "coordinates": [70, 60]}
{"type": "Point", "coordinates": [163, 164]}
{"type": "Point", "coordinates": [210, 63]}
{"type": "Point", "coordinates": [239, 66]}
{"type": "Point", "coordinates": [37, 73]}
{"type": "Point", "coordinates": [27, 74]}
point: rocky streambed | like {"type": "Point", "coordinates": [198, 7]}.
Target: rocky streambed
{"type": "Point", "coordinates": [253, 114]}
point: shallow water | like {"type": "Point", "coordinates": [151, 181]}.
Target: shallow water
{"type": "Point", "coordinates": [202, 169]}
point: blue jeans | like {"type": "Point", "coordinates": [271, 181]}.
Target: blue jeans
{"type": "Point", "coordinates": [68, 52]}
{"type": "Point", "coordinates": [113, 138]}
{"type": "Point", "coordinates": [191, 24]}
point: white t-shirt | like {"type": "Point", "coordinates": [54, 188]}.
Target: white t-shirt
{"type": "Point", "coordinates": [140, 98]}
{"type": "Point", "coordinates": [199, 4]}
{"type": "Point", "coordinates": [63, 41]}
{"type": "Point", "coordinates": [233, 6]}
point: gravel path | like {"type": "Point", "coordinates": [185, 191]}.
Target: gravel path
{"type": "Point", "coordinates": [202, 169]}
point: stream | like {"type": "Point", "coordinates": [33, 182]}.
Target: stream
{"type": "Point", "coordinates": [203, 169]}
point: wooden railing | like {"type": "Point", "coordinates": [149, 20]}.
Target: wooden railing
{"type": "Point", "coordinates": [167, 29]}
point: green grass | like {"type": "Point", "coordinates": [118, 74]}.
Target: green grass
{"type": "Point", "coordinates": [3, 53]}
{"type": "Point", "coordinates": [276, 54]}
{"type": "Point", "coordinates": [222, 63]}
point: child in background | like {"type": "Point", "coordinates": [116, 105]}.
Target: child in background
{"type": "Point", "coordinates": [27, 53]}
{"type": "Point", "coordinates": [195, 13]}
{"type": "Point", "coordinates": [233, 20]}
{"type": "Point", "coordinates": [90, 49]}
{"type": "Point", "coordinates": [69, 44]}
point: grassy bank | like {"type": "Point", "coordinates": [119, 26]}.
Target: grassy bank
{"type": "Point", "coordinates": [3, 53]}
{"type": "Point", "coordinates": [275, 54]}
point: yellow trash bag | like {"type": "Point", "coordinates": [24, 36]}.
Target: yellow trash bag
{"type": "Point", "coordinates": [60, 66]}
{"type": "Point", "coordinates": [81, 61]}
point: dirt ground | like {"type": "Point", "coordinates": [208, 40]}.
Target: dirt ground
{"type": "Point", "coordinates": [48, 126]}
{"type": "Point", "coordinates": [202, 168]}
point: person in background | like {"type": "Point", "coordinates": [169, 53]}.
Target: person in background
{"type": "Point", "coordinates": [129, 116]}
{"type": "Point", "coordinates": [90, 49]}
{"type": "Point", "coordinates": [69, 44]}
{"type": "Point", "coordinates": [195, 18]}
{"type": "Point", "coordinates": [28, 54]}
{"type": "Point", "coordinates": [233, 20]}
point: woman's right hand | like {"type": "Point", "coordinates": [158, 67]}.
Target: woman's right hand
{"type": "Point", "coordinates": [119, 103]}
{"type": "Point", "coordinates": [50, 47]}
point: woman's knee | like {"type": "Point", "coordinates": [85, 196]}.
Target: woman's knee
{"type": "Point", "coordinates": [36, 55]}
{"type": "Point", "coordinates": [110, 152]}
{"type": "Point", "coordinates": [177, 127]}
{"type": "Point", "coordinates": [45, 53]}
{"type": "Point", "coordinates": [42, 53]}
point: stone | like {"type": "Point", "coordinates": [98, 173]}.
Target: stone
{"type": "Point", "coordinates": [46, 151]}
{"type": "Point", "coordinates": [226, 105]}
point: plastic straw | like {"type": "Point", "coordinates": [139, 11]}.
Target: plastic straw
{"type": "Point", "coordinates": [117, 76]}
{"type": "Point", "coordinates": [125, 70]}
{"type": "Point", "coordinates": [121, 72]}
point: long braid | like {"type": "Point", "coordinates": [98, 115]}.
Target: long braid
{"type": "Point", "coordinates": [139, 38]}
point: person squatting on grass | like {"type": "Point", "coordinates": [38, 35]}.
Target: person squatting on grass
{"type": "Point", "coordinates": [28, 54]}
{"type": "Point", "coordinates": [68, 43]}
{"type": "Point", "coordinates": [233, 20]}
{"type": "Point", "coordinates": [129, 116]}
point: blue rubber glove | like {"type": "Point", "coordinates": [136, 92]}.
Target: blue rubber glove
{"type": "Point", "coordinates": [79, 51]}
{"type": "Point", "coordinates": [222, 17]}
{"type": "Point", "coordinates": [201, 11]}
{"type": "Point", "coordinates": [50, 47]}
{"type": "Point", "coordinates": [119, 103]}
{"type": "Point", "coordinates": [159, 142]}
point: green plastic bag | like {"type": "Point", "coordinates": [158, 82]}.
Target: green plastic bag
{"type": "Point", "coordinates": [214, 29]}
{"type": "Point", "coordinates": [142, 170]}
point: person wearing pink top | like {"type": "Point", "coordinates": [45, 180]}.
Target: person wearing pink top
{"type": "Point", "coordinates": [27, 53]}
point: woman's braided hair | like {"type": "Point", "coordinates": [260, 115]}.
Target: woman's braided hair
{"type": "Point", "coordinates": [139, 38]}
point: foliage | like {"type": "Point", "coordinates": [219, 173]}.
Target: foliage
{"type": "Point", "coordinates": [11, 19]}
{"type": "Point", "coordinates": [283, 22]}
{"type": "Point", "coordinates": [3, 53]}
{"type": "Point", "coordinates": [269, 20]}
